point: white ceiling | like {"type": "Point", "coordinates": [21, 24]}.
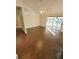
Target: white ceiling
{"type": "Point", "coordinates": [49, 7]}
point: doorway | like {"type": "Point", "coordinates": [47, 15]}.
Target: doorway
{"type": "Point", "coordinates": [19, 18]}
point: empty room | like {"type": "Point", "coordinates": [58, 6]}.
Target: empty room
{"type": "Point", "coordinates": [39, 29]}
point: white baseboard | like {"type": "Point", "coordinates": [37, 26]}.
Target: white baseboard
{"type": "Point", "coordinates": [25, 31]}
{"type": "Point", "coordinates": [16, 56]}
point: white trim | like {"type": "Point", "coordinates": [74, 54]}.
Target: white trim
{"type": "Point", "coordinates": [16, 56]}
{"type": "Point", "coordinates": [25, 31]}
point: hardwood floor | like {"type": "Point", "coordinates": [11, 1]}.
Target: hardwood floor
{"type": "Point", "coordinates": [38, 43]}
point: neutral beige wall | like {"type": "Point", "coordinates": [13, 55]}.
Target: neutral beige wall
{"type": "Point", "coordinates": [42, 20]}
{"type": "Point", "coordinates": [31, 19]}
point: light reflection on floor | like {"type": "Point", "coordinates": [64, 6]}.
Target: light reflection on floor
{"type": "Point", "coordinates": [39, 44]}
{"type": "Point", "coordinates": [54, 32]}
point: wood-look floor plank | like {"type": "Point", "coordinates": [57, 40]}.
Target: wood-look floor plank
{"type": "Point", "coordinates": [38, 43]}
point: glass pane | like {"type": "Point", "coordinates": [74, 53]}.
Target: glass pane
{"type": "Point", "coordinates": [54, 22]}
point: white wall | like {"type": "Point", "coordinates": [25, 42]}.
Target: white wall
{"type": "Point", "coordinates": [43, 20]}
{"type": "Point", "coordinates": [31, 19]}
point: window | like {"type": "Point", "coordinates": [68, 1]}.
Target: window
{"type": "Point", "coordinates": [54, 22]}
{"type": "Point", "coordinates": [49, 21]}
